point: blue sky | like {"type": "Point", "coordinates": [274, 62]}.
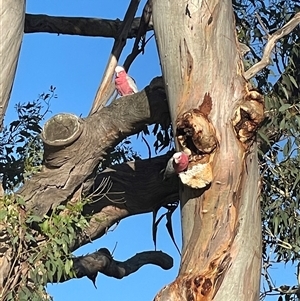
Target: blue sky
{"type": "Point", "coordinates": [75, 66]}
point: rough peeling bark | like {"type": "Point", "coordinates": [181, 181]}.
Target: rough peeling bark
{"type": "Point", "coordinates": [221, 224]}
{"type": "Point", "coordinates": [12, 16]}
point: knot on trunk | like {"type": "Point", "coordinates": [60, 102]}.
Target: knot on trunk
{"type": "Point", "coordinates": [248, 117]}
{"type": "Point", "coordinates": [61, 130]}
{"type": "Point", "coordinates": [196, 136]}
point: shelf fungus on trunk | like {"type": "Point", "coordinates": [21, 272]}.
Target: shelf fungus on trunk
{"type": "Point", "coordinates": [248, 117]}
{"type": "Point", "coordinates": [196, 137]}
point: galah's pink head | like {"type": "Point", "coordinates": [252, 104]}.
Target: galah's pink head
{"type": "Point", "coordinates": [118, 70]}
{"type": "Point", "coordinates": [181, 161]}
{"type": "Point", "coordinates": [177, 157]}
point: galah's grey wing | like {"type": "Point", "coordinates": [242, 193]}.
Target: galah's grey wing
{"type": "Point", "coordinates": [132, 84]}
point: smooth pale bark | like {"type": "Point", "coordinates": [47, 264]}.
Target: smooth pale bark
{"type": "Point", "coordinates": [221, 225]}
{"type": "Point", "coordinates": [12, 16]}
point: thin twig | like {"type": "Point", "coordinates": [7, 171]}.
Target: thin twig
{"type": "Point", "coordinates": [148, 146]}
{"type": "Point", "coordinates": [99, 190]}
{"type": "Point", "coordinates": [134, 53]}
{"type": "Point", "coordinates": [141, 35]}
{"type": "Point", "coordinates": [262, 25]}
{"type": "Point", "coordinates": [99, 193]}
{"type": "Point", "coordinates": [280, 242]}
{"type": "Point", "coordinates": [286, 29]}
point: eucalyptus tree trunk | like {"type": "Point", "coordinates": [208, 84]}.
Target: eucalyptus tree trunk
{"type": "Point", "coordinates": [12, 16]}
{"type": "Point", "coordinates": [215, 115]}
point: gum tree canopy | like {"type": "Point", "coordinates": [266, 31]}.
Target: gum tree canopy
{"type": "Point", "coordinates": [238, 127]}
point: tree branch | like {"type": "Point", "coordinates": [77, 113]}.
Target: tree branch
{"type": "Point", "coordinates": [141, 35]}
{"type": "Point", "coordinates": [67, 167]}
{"type": "Point", "coordinates": [102, 261]}
{"type": "Point", "coordinates": [106, 86]}
{"type": "Point", "coordinates": [128, 195]}
{"type": "Point", "coordinates": [11, 34]}
{"type": "Point", "coordinates": [286, 29]}
{"type": "Point", "coordinates": [89, 27]}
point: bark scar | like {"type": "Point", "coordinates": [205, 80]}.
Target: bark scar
{"type": "Point", "coordinates": [205, 286]}
{"type": "Point", "coordinates": [248, 117]}
{"type": "Point", "coordinates": [187, 11]}
{"type": "Point", "coordinates": [196, 136]}
{"type": "Point", "coordinates": [186, 60]}
{"type": "Point", "coordinates": [189, 59]}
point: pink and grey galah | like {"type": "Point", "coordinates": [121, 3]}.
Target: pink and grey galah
{"type": "Point", "coordinates": [177, 164]}
{"type": "Point", "coordinates": [125, 85]}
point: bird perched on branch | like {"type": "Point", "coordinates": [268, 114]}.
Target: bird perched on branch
{"type": "Point", "coordinates": [125, 84]}
{"type": "Point", "coordinates": [177, 164]}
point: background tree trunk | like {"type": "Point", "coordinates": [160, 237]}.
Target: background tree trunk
{"type": "Point", "coordinates": [221, 225]}
{"type": "Point", "coordinates": [12, 15]}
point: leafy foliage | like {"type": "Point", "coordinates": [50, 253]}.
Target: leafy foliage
{"type": "Point", "coordinates": [281, 165]}
{"type": "Point", "coordinates": [40, 247]}
{"type": "Point", "coordinates": [164, 136]}
{"type": "Point", "coordinates": [122, 153]}
{"type": "Point", "coordinates": [21, 149]}
{"type": "Point", "coordinates": [279, 136]}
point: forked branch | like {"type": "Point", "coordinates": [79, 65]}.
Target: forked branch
{"type": "Point", "coordinates": [272, 40]}
{"type": "Point", "coordinates": [106, 87]}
